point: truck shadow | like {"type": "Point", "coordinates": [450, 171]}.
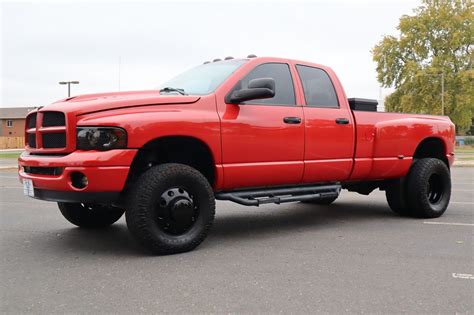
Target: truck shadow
{"type": "Point", "coordinates": [113, 240]}
{"type": "Point", "coordinates": [238, 224]}
{"type": "Point", "coordinates": [297, 217]}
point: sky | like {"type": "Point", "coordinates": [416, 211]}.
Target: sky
{"type": "Point", "coordinates": [113, 45]}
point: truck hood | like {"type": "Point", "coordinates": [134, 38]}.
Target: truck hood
{"type": "Point", "coordinates": [88, 103]}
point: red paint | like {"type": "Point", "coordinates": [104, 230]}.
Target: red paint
{"type": "Point", "coordinates": [250, 144]}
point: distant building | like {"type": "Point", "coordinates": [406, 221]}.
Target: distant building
{"type": "Point", "coordinates": [12, 121]}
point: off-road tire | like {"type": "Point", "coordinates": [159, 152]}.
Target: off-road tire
{"type": "Point", "coordinates": [428, 188]}
{"type": "Point", "coordinates": [90, 215]}
{"type": "Point", "coordinates": [146, 196]}
{"type": "Point", "coordinates": [396, 197]}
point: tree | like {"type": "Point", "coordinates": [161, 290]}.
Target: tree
{"type": "Point", "coordinates": [435, 42]}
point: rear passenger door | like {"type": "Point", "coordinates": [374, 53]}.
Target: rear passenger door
{"type": "Point", "coordinates": [329, 146]}
{"type": "Point", "coordinates": [263, 139]}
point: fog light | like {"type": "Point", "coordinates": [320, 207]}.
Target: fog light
{"type": "Point", "coordinates": [79, 180]}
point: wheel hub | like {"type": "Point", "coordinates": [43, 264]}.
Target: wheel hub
{"type": "Point", "coordinates": [182, 209]}
{"type": "Point", "coordinates": [176, 211]}
{"type": "Point", "coordinates": [435, 189]}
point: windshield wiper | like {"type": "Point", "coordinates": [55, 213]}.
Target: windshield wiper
{"type": "Point", "coordinates": [171, 89]}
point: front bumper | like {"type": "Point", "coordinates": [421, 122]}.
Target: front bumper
{"type": "Point", "coordinates": [106, 173]}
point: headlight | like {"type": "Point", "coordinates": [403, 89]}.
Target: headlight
{"type": "Point", "coordinates": [101, 138]}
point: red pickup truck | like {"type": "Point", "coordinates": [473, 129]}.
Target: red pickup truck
{"type": "Point", "coordinates": [251, 131]}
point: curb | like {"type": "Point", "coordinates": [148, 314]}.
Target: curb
{"type": "Point", "coordinates": [11, 150]}
{"type": "Point", "coordinates": [9, 167]}
{"type": "Point", "coordinates": [463, 164]}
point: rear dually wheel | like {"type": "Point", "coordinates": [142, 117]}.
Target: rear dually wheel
{"type": "Point", "coordinates": [428, 188]}
{"type": "Point", "coordinates": [424, 193]}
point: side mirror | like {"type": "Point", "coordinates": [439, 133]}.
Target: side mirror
{"type": "Point", "coordinates": [257, 89]}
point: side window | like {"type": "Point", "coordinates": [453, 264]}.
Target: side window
{"type": "Point", "coordinates": [280, 72]}
{"type": "Point", "coordinates": [317, 86]}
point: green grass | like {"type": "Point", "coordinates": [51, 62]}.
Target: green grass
{"type": "Point", "coordinates": [9, 155]}
{"type": "Point", "coordinates": [465, 158]}
{"type": "Point", "coordinates": [464, 149]}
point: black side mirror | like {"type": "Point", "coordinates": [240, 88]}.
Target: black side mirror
{"type": "Point", "coordinates": [257, 89]}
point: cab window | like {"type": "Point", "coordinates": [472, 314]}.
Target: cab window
{"type": "Point", "coordinates": [280, 72]}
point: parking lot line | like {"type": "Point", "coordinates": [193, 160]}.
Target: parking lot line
{"type": "Point", "coordinates": [466, 276]}
{"type": "Point", "coordinates": [463, 202]}
{"type": "Point", "coordinates": [449, 223]}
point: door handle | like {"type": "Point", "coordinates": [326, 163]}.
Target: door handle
{"type": "Point", "coordinates": [342, 121]}
{"type": "Point", "coordinates": [292, 120]}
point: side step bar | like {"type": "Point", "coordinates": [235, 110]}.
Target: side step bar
{"type": "Point", "coordinates": [257, 197]}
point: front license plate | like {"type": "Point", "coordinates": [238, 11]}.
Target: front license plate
{"type": "Point", "coordinates": [28, 188]}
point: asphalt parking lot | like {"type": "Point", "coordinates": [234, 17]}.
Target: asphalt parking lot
{"type": "Point", "coordinates": [352, 256]}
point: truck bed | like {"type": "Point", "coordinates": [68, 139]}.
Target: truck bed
{"type": "Point", "coordinates": [386, 142]}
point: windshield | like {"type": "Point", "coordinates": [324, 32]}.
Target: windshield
{"type": "Point", "coordinates": [202, 79]}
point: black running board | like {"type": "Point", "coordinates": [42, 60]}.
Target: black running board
{"type": "Point", "coordinates": [257, 197]}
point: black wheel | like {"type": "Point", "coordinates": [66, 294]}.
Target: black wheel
{"type": "Point", "coordinates": [171, 209]}
{"type": "Point", "coordinates": [396, 197]}
{"type": "Point", "coordinates": [90, 215]}
{"type": "Point", "coordinates": [428, 188]}
{"type": "Point", "coordinates": [322, 201]}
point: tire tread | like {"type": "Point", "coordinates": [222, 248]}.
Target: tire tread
{"type": "Point", "coordinates": [137, 215]}
{"type": "Point", "coordinates": [416, 186]}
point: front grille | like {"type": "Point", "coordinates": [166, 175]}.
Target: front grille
{"type": "Point", "coordinates": [54, 171]}
{"type": "Point", "coordinates": [51, 119]}
{"type": "Point", "coordinates": [46, 130]}
{"type": "Point", "coordinates": [54, 140]}
{"type": "Point", "coordinates": [32, 121]}
{"type": "Point", "coordinates": [32, 140]}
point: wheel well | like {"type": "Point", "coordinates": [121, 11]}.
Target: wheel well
{"type": "Point", "coordinates": [173, 149]}
{"type": "Point", "coordinates": [431, 148]}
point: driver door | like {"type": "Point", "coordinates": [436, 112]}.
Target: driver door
{"type": "Point", "coordinates": [263, 139]}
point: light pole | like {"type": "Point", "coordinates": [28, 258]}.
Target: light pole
{"type": "Point", "coordinates": [68, 86]}
{"type": "Point", "coordinates": [442, 93]}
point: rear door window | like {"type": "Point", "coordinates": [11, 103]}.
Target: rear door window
{"type": "Point", "coordinates": [317, 86]}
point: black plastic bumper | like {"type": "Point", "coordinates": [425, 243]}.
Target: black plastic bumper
{"type": "Point", "coordinates": [73, 196]}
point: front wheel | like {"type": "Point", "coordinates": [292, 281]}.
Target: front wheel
{"type": "Point", "coordinates": [171, 209]}
{"type": "Point", "coordinates": [90, 215]}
